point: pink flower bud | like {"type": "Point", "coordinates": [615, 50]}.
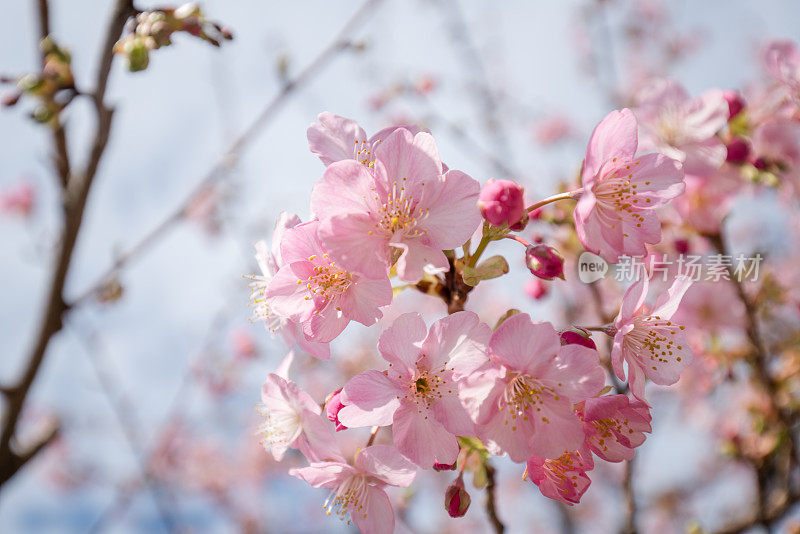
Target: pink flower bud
{"type": "Point", "coordinates": [735, 103]}
{"type": "Point", "coordinates": [577, 337]}
{"type": "Point", "coordinates": [760, 164]}
{"type": "Point", "coordinates": [456, 499]}
{"type": "Point", "coordinates": [535, 288]}
{"type": "Point", "coordinates": [332, 407]}
{"type": "Point", "coordinates": [681, 246]}
{"type": "Point", "coordinates": [444, 467]}
{"type": "Point", "coordinates": [544, 262]}
{"type": "Point", "coordinates": [738, 150]}
{"type": "Point", "coordinates": [502, 202]}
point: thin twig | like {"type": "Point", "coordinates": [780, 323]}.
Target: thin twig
{"type": "Point", "coordinates": [227, 161]}
{"type": "Point", "coordinates": [61, 155]}
{"type": "Point", "coordinates": [491, 508]}
{"type": "Point", "coordinates": [124, 412]}
{"type": "Point", "coordinates": [629, 522]}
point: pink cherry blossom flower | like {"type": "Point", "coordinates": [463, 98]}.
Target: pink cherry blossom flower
{"type": "Point", "coordinates": [683, 128]}
{"type": "Point", "coordinates": [357, 492]}
{"type": "Point", "coordinates": [615, 215]}
{"type": "Point", "coordinates": [563, 478]}
{"type": "Point", "coordinates": [314, 291]}
{"type": "Point", "coordinates": [334, 138]}
{"type": "Point", "coordinates": [782, 60]}
{"type": "Point", "coordinates": [708, 199]}
{"type": "Point", "coordinates": [614, 425]}
{"type": "Point", "coordinates": [293, 420]}
{"type": "Point", "coordinates": [524, 403]}
{"type": "Point", "coordinates": [651, 344]}
{"type": "Point", "coordinates": [402, 208]}
{"type": "Point", "coordinates": [418, 395]}
{"type": "Point", "coordinates": [270, 261]}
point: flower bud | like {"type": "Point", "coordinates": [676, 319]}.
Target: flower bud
{"type": "Point", "coordinates": [502, 202]}
{"type": "Point", "coordinates": [535, 288]}
{"type": "Point", "coordinates": [332, 406]}
{"type": "Point", "coordinates": [681, 246]}
{"type": "Point", "coordinates": [577, 336]}
{"type": "Point", "coordinates": [456, 499]}
{"type": "Point", "coordinates": [444, 467]}
{"type": "Point", "coordinates": [735, 103]}
{"type": "Point", "coordinates": [544, 262]}
{"type": "Point", "coordinates": [738, 150]}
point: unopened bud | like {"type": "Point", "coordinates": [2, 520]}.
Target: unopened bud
{"type": "Point", "coordinates": [535, 288]}
{"type": "Point", "coordinates": [444, 467]}
{"type": "Point", "coordinates": [681, 246]}
{"type": "Point", "coordinates": [138, 55]}
{"type": "Point", "coordinates": [544, 262]}
{"type": "Point", "coordinates": [577, 336]}
{"type": "Point", "coordinates": [735, 103]}
{"type": "Point", "coordinates": [502, 202]}
{"type": "Point", "coordinates": [738, 150]}
{"type": "Point", "coordinates": [332, 407]}
{"type": "Point", "coordinates": [456, 499]}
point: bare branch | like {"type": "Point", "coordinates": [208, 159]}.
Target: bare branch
{"type": "Point", "coordinates": [491, 509]}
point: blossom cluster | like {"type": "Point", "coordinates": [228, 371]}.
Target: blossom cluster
{"type": "Point", "coordinates": [388, 207]}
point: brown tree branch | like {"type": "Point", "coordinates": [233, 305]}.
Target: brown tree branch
{"type": "Point", "coordinates": [491, 509]}
{"type": "Point", "coordinates": [73, 203]}
{"type": "Point", "coordinates": [61, 153]}
{"type": "Point", "coordinates": [340, 43]}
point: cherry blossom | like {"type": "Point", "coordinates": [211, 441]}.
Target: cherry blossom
{"type": "Point", "coordinates": [523, 403]}
{"type": "Point", "coordinates": [357, 493]}
{"type": "Point", "coordinates": [419, 394]}
{"type": "Point", "coordinates": [563, 478]}
{"type": "Point", "coordinates": [651, 344]}
{"type": "Point", "coordinates": [293, 420]}
{"type": "Point", "coordinates": [681, 127]}
{"type": "Point", "coordinates": [314, 291]}
{"type": "Point", "coordinates": [333, 138]}
{"type": "Point", "coordinates": [614, 425]}
{"type": "Point", "coordinates": [270, 261]}
{"type": "Point", "coordinates": [401, 209]}
{"type": "Point", "coordinates": [615, 215]}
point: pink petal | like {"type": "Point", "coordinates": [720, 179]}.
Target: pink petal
{"type": "Point", "coordinates": [376, 516]}
{"type": "Point", "coordinates": [416, 255]}
{"type": "Point", "coordinates": [288, 298]}
{"type": "Point", "coordinates": [454, 213]}
{"type": "Point", "coordinates": [322, 474]}
{"type": "Point", "coordinates": [356, 244]}
{"type": "Point", "coordinates": [414, 157]}
{"type": "Point", "coordinates": [421, 439]}
{"type": "Point", "coordinates": [364, 297]}
{"type": "Point", "coordinates": [371, 399]}
{"type": "Point", "coordinates": [387, 465]}
{"type": "Point", "coordinates": [633, 300]}
{"type": "Point", "coordinates": [459, 339]}
{"type": "Point", "coordinates": [401, 343]}
{"type": "Point", "coordinates": [615, 137]}
{"type": "Point", "coordinates": [345, 188]}
{"type": "Point", "coordinates": [668, 302]}
{"type": "Point", "coordinates": [334, 138]}
{"type": "Point", "coordinates": [520, 344]}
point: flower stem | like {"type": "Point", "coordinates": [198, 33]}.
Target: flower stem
{"type": "Point", "coordinates": [517, 239]}
{"type": "Point", "coordinates": [574, 195]}
{"type": "Point", "coordinates": [478, 251]}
